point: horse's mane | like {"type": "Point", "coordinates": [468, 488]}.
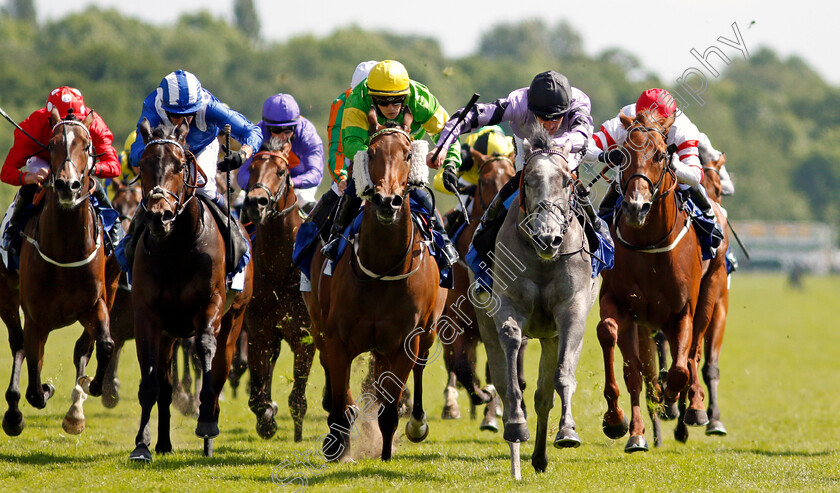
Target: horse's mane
{"type": "Point", "coordinates": [272, 145]}
{"type": "Point", "coordinates": [648, 118]}
{"type": "Point", "coordinates": [541, 140]}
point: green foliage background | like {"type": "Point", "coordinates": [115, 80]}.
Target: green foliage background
{"type": "Point", "coordinates": [777, 120]}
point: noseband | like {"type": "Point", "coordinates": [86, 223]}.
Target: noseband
{"type": "Point", "coordinates": [547, 205]}
{"type": "Point", "coordinates": [67, 159]}
{"type": "Point", "coordinates": [179, 205]}
{"type": "Point", "coordinates": [274, 198]}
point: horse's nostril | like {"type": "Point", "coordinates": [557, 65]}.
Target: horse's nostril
{"type": "Point", "coordinates": [396, 202]}
{"type": "Point", "coordinates": [262, 201]}
{"type": "Point", "coordinates": [75, 185]}
{"type": "Point", "coordinates": [645, 208]}
{"type": "Point", "coordinates": [557, 241]}
{"type": "Point", "coordinates": [377, 199]}
{"type": "Point", "coordinates": [168, 216]}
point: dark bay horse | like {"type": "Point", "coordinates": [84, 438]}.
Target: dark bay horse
{"type": "Point", "coordinates": [543, 289]}
{"type": "Point", "coordinates": [655, 285]}
{"type": "Point", "coordinates": [276, 311]}
{"type": "Point", "coordinates": [179, 288]}
{"type": "Point", "coordinates": [64, 254]}
{"type": "Point", "coordinates": [460, 354]}
{"type": "Point", "coordinates": [383, 297]}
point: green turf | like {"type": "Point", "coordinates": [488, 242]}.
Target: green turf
{"type": "Point", "coordinates": [778, 398]}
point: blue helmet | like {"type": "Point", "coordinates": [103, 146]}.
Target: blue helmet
{"type": "Point", "coordinates": [280, 110]}
{"type": "Point", "coordinates": [180, 93]}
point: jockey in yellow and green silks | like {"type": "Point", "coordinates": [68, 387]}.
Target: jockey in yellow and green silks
{"type": "Point", "coordinates": [389, 89]}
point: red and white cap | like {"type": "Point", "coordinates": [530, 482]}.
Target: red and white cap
{"type": "Point", "coordinates": [64, 98]}
{"type": "Point", "coordinates": [658, 99]}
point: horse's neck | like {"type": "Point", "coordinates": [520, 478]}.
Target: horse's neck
{"type": "Point", "coordinates": [276, 235]}
{"type": "Point", "coordinates": [381, 246]}
{"type": "Point", "coordinates": [662, 220]}
{"type": "Point", "coordinates": [74, 227]}
{"type": "Point", "coordinates": [189, 226]}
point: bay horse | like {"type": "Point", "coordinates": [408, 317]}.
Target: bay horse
{"type": "Point", "coordinates": [655, 285]}
{"type": "Point", "coordinates": [179, 288]}
{"type": "Point", "coordinates": [494, 171]}
{"type": "Point", "coordinates": [65, 254]}
{"type": "Point", "coordinates": [383, 297]}
{"type": "Point", "coordinates": [276, 311]}
{"type": "Point", "coordinates": [543, 289]}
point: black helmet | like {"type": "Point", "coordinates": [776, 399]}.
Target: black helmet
{"type": "Point", "coordinates": [549, 95]}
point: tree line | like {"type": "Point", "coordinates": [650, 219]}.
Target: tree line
{"type": "Point", "coordinates": [776, 119]}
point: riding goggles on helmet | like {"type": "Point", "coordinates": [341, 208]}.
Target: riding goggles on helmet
{"type": "Point", "coordinates": [387, 100]}
{"type": "Point", "coordinates": [282, 129]}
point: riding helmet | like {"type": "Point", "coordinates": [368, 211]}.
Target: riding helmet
{"type": "Point", "coordinates": [550, 95]}
{"type": "Point", "coordinates": [65, 98]}
{"type": "Point", "coordinates": [180, 93]}
{"type": "Point", "coordinates": [280, 110]}
{"type": "Point", "coordinates": [388, 78]}
{"type": "Point", "coordinates": [659, 99]}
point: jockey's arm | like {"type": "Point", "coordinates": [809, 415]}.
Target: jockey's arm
{"type": "Point", "coordinates": [107, 164]}
{"type": "Point", "coordinates": [726, 183]}
{"type": "Point", "coordinates": [246, 133]}
{"type": "Point", "coordinates": [310, 150]}
{"type": "Point", "coordinates": [22, 148]}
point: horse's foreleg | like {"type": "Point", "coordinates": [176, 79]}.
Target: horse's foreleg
{"type": "Point", "coordinates": [544, 400]}
{"type": "Point", "coordinates": [571, 326]}
{"type": "Point", "coordinates": [615, 424]}
{"type": "Point", "coordinates": [165, 376]}
{"type": "Point", "coordinates": [264, 348]}
{"type": "Point", "coordinates": [74, 419]}
{"type": "Point", "coordinates": [34, 339]}
{"type": "Point", "coordinates": [628, 342]}
{"type": "Point", "coordinates": [111, 386]}
{"type": "Point", "coordinates": [337, 442]}
{"type": "Point", "coordinates": [417, 429]}
{"type": "Point", "coordinates": [391, 375]}
{"type": "Point", "coordinates": [206, 347]}
{"type": "Point", "coordinates": [98, 327]}
{"type": "Point", "coordinates": [147, 339]}
{"type": "Point", "coordinates": [304, 354]}
{"type": "Point", "coordinates": [711, 370]}
{"type": "Point", "coordinates": [510, 338]}
{"type": "Point", "coordinates": [679, 341]}
{"type": "Point", "coordinates": [240, 362]}
{"type": "Point", "coordinates": [13, 421]}
{"type": "Point", "coordinates": [649, 354]}
{"type": "Point", "coordinates": [450, 398]}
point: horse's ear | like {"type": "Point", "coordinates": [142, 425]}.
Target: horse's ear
{"type": "Point", "coordinates": [373, 122]}
{"type": "Point", "coordinates": [145, 130]}
{"type": "Point", "coordinates": [625, 120]}
{"type": "Point", "coordinates": [181, 131]}
{"type": "Point", "coordinates": [666, 124]}
{"type": "Point", "coordinates": [55, 117]}
{"type": "Point", "coordinates": [408, 119]}
{"type": "Point", "coordinates": [567, 148]}
{"type": "Point", "coordinates": [478, 157]}
{"type": "Point", "coordinates": [721, 160]}
{"type": "Point", "coordinates": [88, 121]}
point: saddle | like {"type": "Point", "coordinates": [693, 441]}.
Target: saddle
{"type": "Point", "coordinates": [237, 257]}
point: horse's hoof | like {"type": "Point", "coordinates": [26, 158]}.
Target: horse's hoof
{"type": "Point", "coordinates": [567, 438]}
{"type": "Point", "coordinates": [681, 433]}
{"type": "Point", "coordinates": [266, 427]}
{"type": "Point", "coordinates": [540, 462]}
{"type": "Point", "coordinates": [669, 411]}
{"type": "Point", "coordinates": [490, 424]}
{"type": "Point", "coordinates": [715, 427]}
{"type": "Point", "coordinates": [616, 431]}
{"type": "Point", "coordinates": [73, 425]}
{"type": "Point", "coordinates": [516, 432]}
{"type": "Point", "coordinates": [334, 448]}
{"type": "Point", "coordinates": [110, 398]}
{"type": "Point", "coordinates": [636, 443]}
{"type": "Point", "coordinates": [13, 423]}
{"type": "Point", "coordinates": [163, 448]}
{"type": "Point", "coordinates": [483, 396]}
{"type": "Point", "coordinates": [207, 429]}
{"type": "Point", "coordinates": [416, 430]}
{"type": "Point", "coordinates": [95, 388]}
{"type": "Point", "coordinates": [451, 412]}
{"type": "Point", "coordinates": [696, 417]}
{"type": "Point", "coordinates": [141, 454]}
{"type": "Point", "coordinates": [183, 402]}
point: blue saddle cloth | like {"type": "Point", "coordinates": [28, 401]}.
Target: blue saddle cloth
{"type": "Point", "coordinates": [602, 256]}
{"type": "Point", "coordinates": [308, 234]}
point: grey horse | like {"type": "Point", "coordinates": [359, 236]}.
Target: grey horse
{"type": "Point", "coordinates": [542, 289]}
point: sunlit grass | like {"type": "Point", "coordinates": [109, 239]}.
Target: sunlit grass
{"type": "Point", "coordinates": [778, 398]}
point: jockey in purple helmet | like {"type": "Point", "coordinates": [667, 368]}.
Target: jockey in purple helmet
{"type": "Point", "coordinates": [281, 121]}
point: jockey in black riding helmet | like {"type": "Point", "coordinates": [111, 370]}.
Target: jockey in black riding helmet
{"type": "Point", "coordinates": [389, 89]}
{"type": "Point", "coordinates": [549, 103]}
{"type": "Point", "coordinates": [605, 144]}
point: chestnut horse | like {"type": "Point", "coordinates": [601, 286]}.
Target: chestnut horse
{"type": "Point", "coordinates": [179, 288]}
{"type": "Point", "coordinates": [276, 311]}
{"type": "Point", "coordinates": [460, 354]}
{"type": "Point", "coordinates": [655, 285]}
{"type": "Point", "coordinates": [383, 297]}
{"type": "Point", "coordinates": [65, 253]}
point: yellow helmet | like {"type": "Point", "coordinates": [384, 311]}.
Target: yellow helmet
{"type": "Point", "coordinates": [388, 78]}
{"type": "Point", "coordinates": [491, 140]}
{"type": "Point", "coordinates": [129, 141]}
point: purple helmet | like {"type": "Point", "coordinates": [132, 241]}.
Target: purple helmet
{"type": "Point", "coordinates": [280, 110]}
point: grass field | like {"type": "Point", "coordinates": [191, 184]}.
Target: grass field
{"type": "Point", "coordinates": [779, 386]}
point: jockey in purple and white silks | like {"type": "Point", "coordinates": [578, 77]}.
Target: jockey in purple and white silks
{"type": "Point", "coordinates": [549, 102]}
{"type": "Point", "coordinates": [281, 120]}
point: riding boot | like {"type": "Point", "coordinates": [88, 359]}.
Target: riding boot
{"type": "Point", "coordinates": [698, 194]}
{"type": "Point", "coordinates": [116, 234]}
{"type": "Point", "coordinates": [608, 202]}
{"type": "Point", "coordinates": [449, 251]}
{"type": "Point", "coordinates": [12, 239]}
{"type": "Point", "coordinates": [598, 224]}
{"type": "Point", "coordinates": [323, 208]}
{"type": "Point", "coordinates": [348, 205]}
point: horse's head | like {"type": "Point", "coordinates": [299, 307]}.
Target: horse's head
{"type": "Point", "coordinates": [71, 157]}
{"type": "Point", "coordinates": [269, 180]}
{"type": "Point", "coordinates": [164, 170]}
{"type": "Point", "coordinates": [494, 171]}
{"type": "Point", "coordinates": [646, 174]}
{"type": "Point", "coordinates": [127, 197]}
{"type": "Point", "coordinates": [711, 178]}
{"type": "Point", "coordinates": [388, 166]}
{"type": "Point", "coordinates": [545, 195]}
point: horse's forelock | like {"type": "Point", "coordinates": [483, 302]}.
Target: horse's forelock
{"type": "Point", "coordinates": [541, 140]}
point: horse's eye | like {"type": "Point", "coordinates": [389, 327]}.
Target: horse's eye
{"type": "Point", "coordinates": [408, 157]}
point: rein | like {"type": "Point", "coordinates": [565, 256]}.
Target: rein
{"type": "Point", "coordinates": [274, 198]}
{"type": "Point", "coordinates": [91, 158]}
{"type": "Point", "coordinates": [179, 205]}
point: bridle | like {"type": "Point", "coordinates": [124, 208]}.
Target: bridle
{"type": "Point", "coordinates": [86, 175]}
{"type": "Point", "coordinates": [274, 198]}
{"type": "Point", "coordinates": [546, 205]}
{"type": "Point", "coordinates": [179, 205]}
{"type": "Point", "coordinates": [655, 195]}
{"type": "Point", "coordinates": [375, 136]}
